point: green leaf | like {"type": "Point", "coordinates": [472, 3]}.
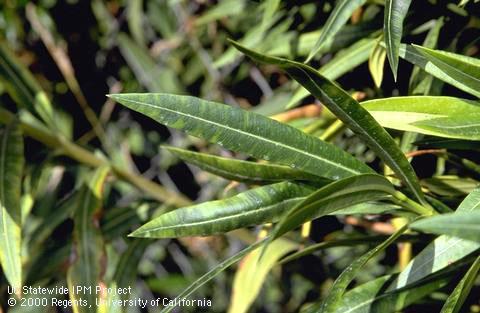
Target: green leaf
{"type": "Point", "coordinates": [376, 63]}
{"type": "Point", "coordinates": [156, 77]}
{"type": "Point", "coordinates": [252, 272]}
{"type": "Point", "coordinates": [446, 66]}
{"type": "Point", "coordinates": [334, 298]}
{"type": "Point", "coordinates": [371, 298]}
{"type": "Point", "coordinates": [253, 207]}
{"type": "Point", "coordinates": [458, 296]}
{"type": "Point", "coordinates": [464, 225]}
{"type": "Point", "coordinates": [395, 12]}
{"type": "Point", "coordinates": [135, 20]}
{"type": "Point", "coordinates": [349, 111]}
{"type": "Point", "coordinates": [239, 170]}
{"type": "Point", "coordinates": [440, 253]}
{"type": "Point", "coordinates": [344, 61]}
{"type": "Point", "coordinates": [334, 196]}
{"type": "Point", "coordinates": [214, 272]}
{"type": "Point", "coordinates": [88, 247]}
{"type": "Point", "coordinates": [11, 170]}
{"type": "Point", "coordinates": [438, 116]}
{"type": "Point", "coordinates": [246, 132]}
{"type": "Point", "coordinates": [221, 10]}
{"type": "Point", "coordinates": [22, 86]}
{"type": "Point", "coordinates": [340, 15]}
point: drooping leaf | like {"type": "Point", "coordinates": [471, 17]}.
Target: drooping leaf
{"type": "Point", "coordinates": [86, 269]}
{"type": "Point", "coordinates": [214, 272]}
{"type": "Point", "coordinates": [238, 170]}
{"type": "Point", "coordinates": [334, 298]}
{"type": "Point", "coordinates": [440, 253]}
{"type": "Point", "coordinates": [246, 132]}
{"type": "Point", "coordinates": [443, 66]}
{"type": "Point", "coordinates": [457, 297]}
{"type": "Point", "coordinates": [439, 116]}
{"type": "Point", "coordinates": [334, 196]}
{"type": "Point", "coordinates": [344, 61]}
{"type": "Point", "coordinates": [376, 63]}
{"type": "Point", "coordinates": [11, 170]}
{"type": "Point", "coordinates": [464, 225]}
{"type": "Point", "coordinates": [252, 272]}
{"type": "Point", "coordinates": [340, 15]}
{"type": "Point", "coordinates": [253, 207]}
{"type": "Point", "coordinates": [395, 12]}
{"type": "Point", "coordinates": [350, 112]}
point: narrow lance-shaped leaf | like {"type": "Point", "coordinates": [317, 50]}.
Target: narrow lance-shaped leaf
{"type": "Point", "coordinates": [395, 12]}
{"type": "Point", "coordinates": [440, 253]}
{"type": "Point", "coordinates": [464, 225]}
{"type": "Point", "coordinates": [246, 132]}
{"type": "Point", "coordinates": [334, 298]}
{"type": "Point", "coordinates": [442, 68]}
{"type": "Point", "coordinates": [463, 69]}
{"type": "Point", "coordinates": [214, 272]}
{"type": "Point", "coordinates": [85, 270]}
{"type": "Point", "coordinates": [446, 117]}
{"type": "Point", "coordinates": [376, 63]}
{"type": "Point", "coordinates": [349, 111]}
{"type": "Point", "coordinates": [252, 273]}
{"type": "Point", "coordinates": [242, 171]}
{"type": "Point", "coordinates": [457, 297]}
{"type": "Point", "coordinates": [333, 197]}
{"type": "Point", "coordinates": [370, 298]}
{"type": "Point", "coordinates": [253, 207]}
{"type": "Point", "coordinates": [11, 167]}
{"type": "Point", "coordinates": [340, 15]}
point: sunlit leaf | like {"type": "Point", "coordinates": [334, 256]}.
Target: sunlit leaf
{"type": "Point", "coordinates": [252, 272]}
{"type": "Point", "coordinates": [376, 63]}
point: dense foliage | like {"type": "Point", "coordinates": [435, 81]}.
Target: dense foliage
{"type": "Point", "coordinates": [330, 148]}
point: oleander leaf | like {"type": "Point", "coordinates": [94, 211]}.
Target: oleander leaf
{"type": "Point", "coordinates": [344, 61]}
{"type": "Point", "coordinates": [395, 12]}
{"type": "Point", "coordinates": [440, 253]}
{"type": "Point", "coordinates": [239, 170]}
{"type": "Point", "coordinates": [252, 273]}
{"type": "Point", "coordinates": [464, 225]}
{"type": "Point", "coordinates": [349, 111]}
{"type": "Point", "coordinates": [376, 63]}
{"type": "Point", "coordinates": [333, 197]}
{"type": "Point", "coordinates": [457, 297]}
{"type": "Point", "coordinates": [441, 64]}
{"type": "Point", "coordinates": [371, 298]}
{"type": "Point", "coordinates": [88, 246]}
{"type": "Point", "coordinates": [253, 207]}
{"type": "Point", "coordinates": [246, 132]}
{"type": "Point", "coordinates": [11, 170]}
{"type": "Point", "coordinates": [339, 17]}
{"type": "Point", "coordinates": [337, 291]}
{"type": "Point", "coordinates": [214, 272]}
{"type": "Point", "coordinates": [447, 117]}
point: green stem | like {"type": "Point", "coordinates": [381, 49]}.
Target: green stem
{"type": "Point", "coordinates": [411, 205]}
{"type": "Point", "coordinates": [86, 157]}
{"type": "Point", "coordinates": [332, 130]}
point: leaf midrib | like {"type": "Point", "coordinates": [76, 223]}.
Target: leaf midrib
{"type": "Point", "coordinates": [247, 134]}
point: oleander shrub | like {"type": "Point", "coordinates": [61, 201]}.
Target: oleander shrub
{"type": "Point", "coordinates": [250, 156]}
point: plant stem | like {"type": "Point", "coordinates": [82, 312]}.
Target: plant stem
{"type": "Point", "coordinates": [86, 157]}
{"type": "Point", "coordinates": [411, 205]}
